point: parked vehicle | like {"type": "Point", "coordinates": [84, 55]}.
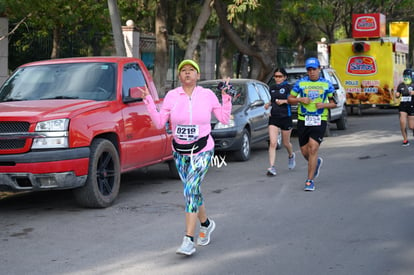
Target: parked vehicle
{"type": "Point", "coordinates": [249, 120]}
{"type": "Point", "coordinates": [78, 123]}
{"type": "Point", "coordinates": [338, 115]}
{"type": "Point", "coordinates": [371, 63]}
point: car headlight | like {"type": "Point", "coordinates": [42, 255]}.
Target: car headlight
{"type": "Point", "coordinates": [53, 134]}
{"type": "Point", "coordinates": [220, 125]}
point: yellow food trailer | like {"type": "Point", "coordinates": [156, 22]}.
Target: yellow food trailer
{"type": "Point", "coordinates": [370, 65]}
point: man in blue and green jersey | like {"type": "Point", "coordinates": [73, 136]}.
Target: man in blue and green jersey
{"type": "Point", "coordinates": [314, 96]}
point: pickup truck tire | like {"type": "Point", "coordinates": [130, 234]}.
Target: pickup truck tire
{"type": "Point", "coordinates": [104, 176]}
{"type": "Point", "coordinates": [173, 170]}
{"type": "Point", "coordinates": [243, 153]}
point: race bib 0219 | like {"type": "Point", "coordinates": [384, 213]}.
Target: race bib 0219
{"type": "Point", "coordinates": [187, 132]}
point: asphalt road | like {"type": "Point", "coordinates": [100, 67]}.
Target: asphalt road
{"type": "Point", "coordinates": [357, 221]}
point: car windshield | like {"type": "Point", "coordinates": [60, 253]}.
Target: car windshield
{"type": "Point", "coordinates": [93, 81]}
{"type": "Point", "coordinates": [238, 99]}
{"type": "Point", "coordinates": [293, 77]}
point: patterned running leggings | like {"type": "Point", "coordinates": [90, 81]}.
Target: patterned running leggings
{"type": "Point", "coordinates": [192, 169]}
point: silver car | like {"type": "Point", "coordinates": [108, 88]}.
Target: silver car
{"type": "Point", "coordinates": [249, 120]}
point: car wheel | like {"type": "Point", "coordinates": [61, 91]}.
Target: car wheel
{"type": "Point", "coordinates": [327, 131]}
{"type": "Point", "coordinates": [104, 176]}
{"type": "Point", "coordinates": [342, 122]}
{"type": "Point", "coordinates": [279, 140]}
{"type": "Point", "coordinates": [243, 153]}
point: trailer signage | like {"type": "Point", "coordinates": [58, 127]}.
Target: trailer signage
{"type": "Point", "coordinates": [368, 25]}
{"type": "Point", "coordinates": [361, 65]}
{"type": "Point", "coordinates": [365, 23]}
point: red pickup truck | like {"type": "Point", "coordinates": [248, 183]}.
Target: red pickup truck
{"type": "Point", "coordinates": [78, 123]}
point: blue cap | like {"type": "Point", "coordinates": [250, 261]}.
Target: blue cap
{"type": "Point", "coordinates": [312, 62]}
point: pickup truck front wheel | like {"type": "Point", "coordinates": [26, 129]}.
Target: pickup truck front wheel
{"type": "Point", "coordinates": [104, 176]}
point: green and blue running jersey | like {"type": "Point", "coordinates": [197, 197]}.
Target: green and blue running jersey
{"type": "Point", "coordinates": [318, 91]}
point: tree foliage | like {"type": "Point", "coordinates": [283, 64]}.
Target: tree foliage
{"type": "Point", "coordinates": [54, 23]}
{"type": "Point", "coordinates": [250, 28]}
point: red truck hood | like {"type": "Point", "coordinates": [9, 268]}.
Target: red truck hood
{"type": "Point", "coordinates": [36, 110]}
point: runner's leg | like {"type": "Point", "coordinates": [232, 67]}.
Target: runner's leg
{"type": "Point", "coordinates": [273, 133]}
{"type": "Point", "coordinates": [403, 124]}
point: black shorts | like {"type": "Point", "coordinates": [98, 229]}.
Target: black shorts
{"type": "Point", "coordinates": [314, 132]}
{"type": "Point", "coordinates": [406, 107]}
{"type": "Point", "coordinates": [284, 123]}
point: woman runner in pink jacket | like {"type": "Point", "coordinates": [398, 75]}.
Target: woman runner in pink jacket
{"type": "Point", "coordinates": [189, 108]}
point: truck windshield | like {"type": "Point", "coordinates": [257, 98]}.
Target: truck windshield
{"type": "Point", "coordinates": [93, 81]}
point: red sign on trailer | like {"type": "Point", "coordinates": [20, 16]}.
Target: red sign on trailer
{"type": "Point", "coordinates": [368, 25]}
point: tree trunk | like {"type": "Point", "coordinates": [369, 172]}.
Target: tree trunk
{"type": "Point", "coordinates": [116, 28]}
{"type": "Point", "coordinates": [56, 42]}
{"type": "Point", "coordinates": [300, 58]}
{"type": "Point", "coordinates": [161, 61]}
{"type": "Point", "coordinates": [267, 43]}
{"type": "Point", "coordinates": [225, 67]}
{"type": "Point", "coordinates": [195, 35]}
{"type": "Point", "coordinates": [235, 39]}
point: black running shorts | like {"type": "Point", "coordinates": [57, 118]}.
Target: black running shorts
{"type": "Point", "coordinates": [284, 123]}
{"type": "Point", "coordinates": [406, 107]}
{"type": "Point", "coordinates": [307, 132]}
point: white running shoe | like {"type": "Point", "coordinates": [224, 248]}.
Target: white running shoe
{"type": "Point", "coordinates": [205, 232]}
{"type": "Point", "coordinates": [271, 171]}
{"type": "Point", "coordinates": [292, 161]}
{"type": "Point", "coordinates": [187, 247]}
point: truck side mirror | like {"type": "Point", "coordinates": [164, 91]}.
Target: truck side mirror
{"type": "Point", "coordinates": [134, 94]}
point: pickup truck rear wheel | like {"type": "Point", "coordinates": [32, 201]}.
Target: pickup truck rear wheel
{"type": "Point", "coordinates": [173, 170]}
{"type": "Point", "coordinates": [104, 176]}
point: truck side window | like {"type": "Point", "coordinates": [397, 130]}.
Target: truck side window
{"type": "Point", "coordinates": [132, 77]}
